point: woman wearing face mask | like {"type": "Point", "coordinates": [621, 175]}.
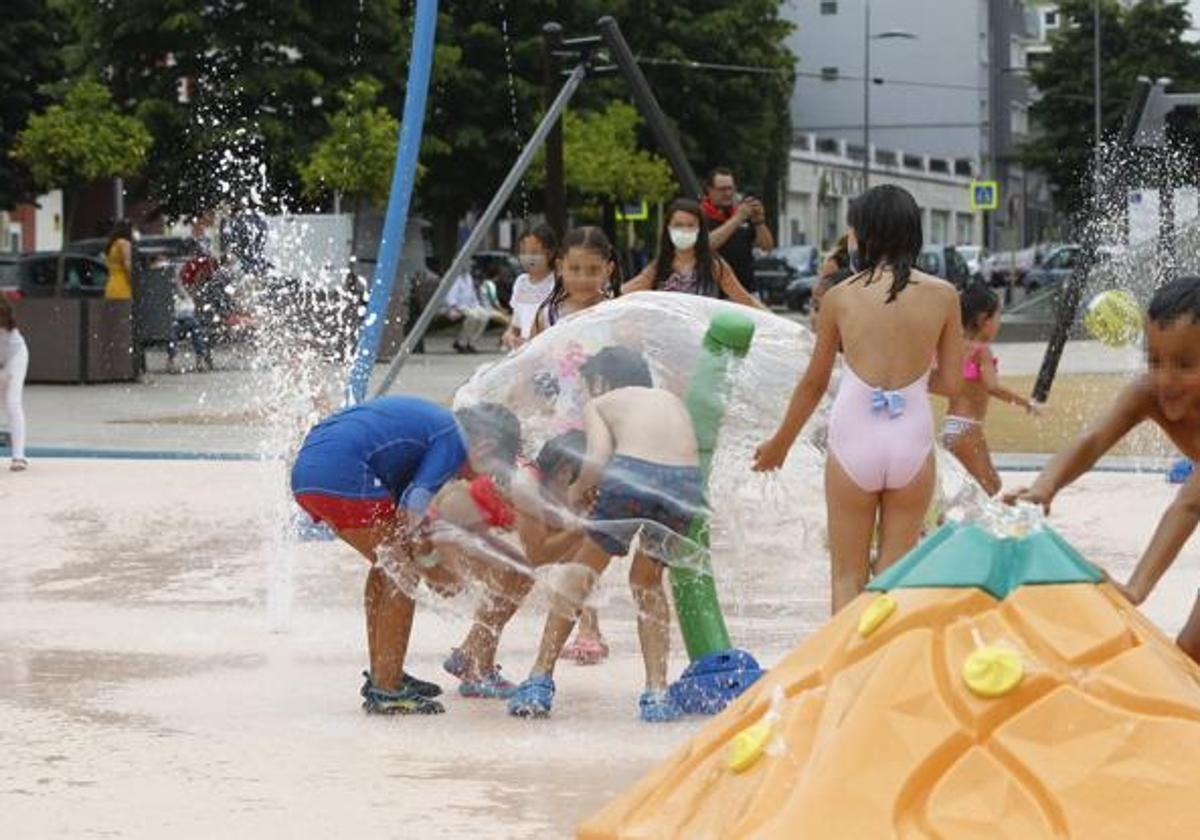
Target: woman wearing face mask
{"type": "Point", "coordinates": [536, 249]}
{"type": "Point", "coordinates": [686, 263]}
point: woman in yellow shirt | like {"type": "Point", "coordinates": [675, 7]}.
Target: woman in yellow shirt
{"type": "Point", "coordinates": [119, 256]}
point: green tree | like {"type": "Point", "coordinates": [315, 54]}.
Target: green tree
{"type": "Point", "coordinates": [603, 162]}
{"type": "Point", "coordinates": [723, 117]}
{"type": "Point", "coordinates": [1144, 40]}
{"type": "Point", "coordinates": [81, 140]}
{"type": "Point", "coordinates": [31, 42]}
{"type": "Point", "coordinates": [358, 154]}
{"type": "Point", "coordinates": [234, 93]}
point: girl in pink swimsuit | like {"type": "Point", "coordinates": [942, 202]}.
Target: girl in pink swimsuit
{"type": "Point", "coordinates": [962, 431]}
{"type": "Point", "coordinates": [889, 321]}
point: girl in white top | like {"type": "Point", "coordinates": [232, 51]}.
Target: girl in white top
{"type": "Point", "coordinates": [14, 362]}
{"type": "Point", "coordinates": [536, 249]}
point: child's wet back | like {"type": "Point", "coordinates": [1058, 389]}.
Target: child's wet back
{"type": "Point", "coordinates": [649, 423]}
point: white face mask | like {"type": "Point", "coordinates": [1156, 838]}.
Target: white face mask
{"type": "Point", "coordinates": [532, 262]}
{"type": "Point", "coordinates": [684, 239]}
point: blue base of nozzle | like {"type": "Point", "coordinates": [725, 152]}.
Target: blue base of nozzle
{"type": "Point", "coordinates": [712, 681]}
{"type": "Point", "coordinates": [1180, 471]}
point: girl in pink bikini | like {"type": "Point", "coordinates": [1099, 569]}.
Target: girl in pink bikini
{"type": "Point", "coordinates": [962, 431]}
{"type": "Point", "coordinates": [889, 321]}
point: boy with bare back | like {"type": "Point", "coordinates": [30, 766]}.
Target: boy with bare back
{"type": "Point", "coordinates": [642, 467]}
{"type": "Point", "coordinates": [1167, 395]}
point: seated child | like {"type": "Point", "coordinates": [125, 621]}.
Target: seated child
{"type": "Point", "coordinates": [505, 534]}
{"type": "Point", "coordinates": [370, 472]}
{"type": "Point", "coordinates": [1168, 395]}
{"type": "Point", "coordinates": [642, 466]}
{"type": "Point", "coordinates": [963, 429]}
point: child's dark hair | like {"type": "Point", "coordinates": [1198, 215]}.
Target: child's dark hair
{"type": "Point", "coordinates": [8, 318]}
{"type": "Point", "coordinates": [706, 261]}
{"type": "Point", "coordinates": [617, 367]}
{"type": "Point", "coordinates": [592, 239]}
{"type": "Point", "coordinates": [546, 237]}
{"type": "Point", "coordinates": [121, 229]}
{"type": "Point", "coordinates": [565, 450]}
{"type": "Point", "coordinates": [978, 302]}
{"type": "Point", "coordinates": [1175, 300]}
{"type": "Point", "coordinates": [887, 224]}
{"type": "Point", "coordinates": [492, 422]}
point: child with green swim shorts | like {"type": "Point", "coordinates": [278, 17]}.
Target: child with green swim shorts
{"type": "Point", "coordinates": [642, 468]}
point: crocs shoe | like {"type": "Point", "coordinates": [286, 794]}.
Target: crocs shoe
{"type": "Point", "coordinates": [533, 698]}
{"type": "Point", "coordinates": [658, 707]}
{"type": "Point", "coordinates": [411, 684]}
{"type": "Point", "coordinates": [586, 650]}
{"type": "Point", "coordinates": [402, 702]}
{"type": "Point", "coordinates": [456, 664]}
{"type": "Point", "coordinates": [491, 687]}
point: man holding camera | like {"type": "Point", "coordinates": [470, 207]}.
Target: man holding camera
{"type": "Point", "coordinates": [736, 228]}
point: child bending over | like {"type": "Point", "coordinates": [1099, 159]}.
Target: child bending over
{"type": "Point", "coordinates": [642, 465]}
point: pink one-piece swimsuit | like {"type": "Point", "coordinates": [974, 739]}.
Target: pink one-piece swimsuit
{"type": "Point", "coordinates": [880, 438]}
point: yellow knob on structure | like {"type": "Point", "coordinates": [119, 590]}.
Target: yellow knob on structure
{"type": "Point", "coordinates": [875, 614]}
{"type": "Point", "coordinates": [748, 745]}
{"type": "Point", "coordinates": [993, 671]}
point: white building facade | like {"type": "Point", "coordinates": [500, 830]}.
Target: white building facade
{"type": "Point", "coordinates": [823, 177]}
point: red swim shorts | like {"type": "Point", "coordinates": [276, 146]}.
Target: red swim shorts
{"type": "Point", "coordinates": [342, 513]}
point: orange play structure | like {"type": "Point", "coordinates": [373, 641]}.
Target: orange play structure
{"type": "Point", "coordinates": [988, 688]}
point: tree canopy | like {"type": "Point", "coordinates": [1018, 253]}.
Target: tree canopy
{"type": "Point", "coordinates": [81, 140]}
{"type": "Point", "coordinates": [1143, 40]}
{"type": "Point", "coordinates": [358, 154]}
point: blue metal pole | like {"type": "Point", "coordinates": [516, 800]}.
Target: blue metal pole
{"type": "Point", "coordinates": [403, 177]}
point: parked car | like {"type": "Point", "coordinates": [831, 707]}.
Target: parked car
{"type": "Point", "coordinates": [800, 292]}
{"type": "Point", "coordinates": [806, 259]}
{"type": "Point", "coordinates": [1056, 267]}
{"type": "Point", "coordinates": [48, 274]}
{"type": "Point", "coordinates": [944, 261]}
{"type": "Point", "coordinates": [10, 281]}
{"type": "Point", "coordinates": [773, 274]}
{"type": "Point", "coordinates": [975, 256]}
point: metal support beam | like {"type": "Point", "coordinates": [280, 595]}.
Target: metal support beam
{"type": "Point", "coordinates": [648, 105]}
{"type": "Point", "coordinates": [499, 200]}
{"type": "Point", "coordinates": [556, 190]}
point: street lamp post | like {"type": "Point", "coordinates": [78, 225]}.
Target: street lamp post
{"type": "Point", "coordinates": [867, 38]}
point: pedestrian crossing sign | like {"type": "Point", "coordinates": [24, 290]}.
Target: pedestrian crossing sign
{"type": "Point", "coordinates": [636, 212]}
{"type": "Point", "coordinates": [985, 195]}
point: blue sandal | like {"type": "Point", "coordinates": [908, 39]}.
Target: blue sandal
{"type": "Point", "coordinates": [533, 698]}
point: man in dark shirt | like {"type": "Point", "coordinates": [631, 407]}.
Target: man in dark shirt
{"type": "Point", "coordinates": [736, 228]}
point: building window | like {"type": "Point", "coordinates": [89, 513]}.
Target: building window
{"type": "Point", "coordinates": [829, 74]}
{"type": "Point", "coordinates": [964, 229]}
{"type": "Point", "coordinates": [939, 226]}
{"type": "Point", "coordinates": [1050, 18]}
{"type": "Point", "coordinates": [939, 165]}
{"type": "Point", "coordinates": [829, 7]}
{"type": "Point", "coordinates": [964, 167]}
{"type": "Point", "coordinates": [1019, 118]}
{"type": "Point", "coordinates": [914, 162]}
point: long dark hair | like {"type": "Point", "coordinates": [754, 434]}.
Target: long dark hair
{"type": "Point", "coordinates": [977, 302]}
{"type": "Point", "coordinates": [546, 237]}
{"type": "Point", "coordinates": [706, 263]}
{"type": "Point", "coordinates": [887, 224]}
{"type": "Point", "coordinates": [8, 318]}
{"type": "Point", "coordinates": [122, 229]}
{"type": "Point", "coordinates": [590, 238]}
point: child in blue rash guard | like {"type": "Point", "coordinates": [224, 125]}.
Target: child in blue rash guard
{"type": "Point", "coordinates": [370, 473]}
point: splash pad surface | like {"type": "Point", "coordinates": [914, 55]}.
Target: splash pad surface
{"type": "Point", "coordinates": [143, 692]}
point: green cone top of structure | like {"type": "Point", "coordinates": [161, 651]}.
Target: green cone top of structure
{"type": "Point", "coordinates": [967, 555]}
{"type": "Point", "coordinates": [729, 331]}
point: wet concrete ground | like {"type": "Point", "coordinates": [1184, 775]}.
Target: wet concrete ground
{"type": "Point", "coordinates": [150, 687]}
